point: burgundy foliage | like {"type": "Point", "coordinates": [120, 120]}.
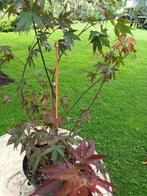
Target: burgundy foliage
{"type": "Point", "coordinates": [77, 178]}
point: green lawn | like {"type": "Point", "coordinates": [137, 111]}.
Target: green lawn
{"type": "Point", "coordinates": [119, 126]}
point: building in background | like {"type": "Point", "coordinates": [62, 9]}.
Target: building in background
{"type": "Point", "coordinates": [135, 3]}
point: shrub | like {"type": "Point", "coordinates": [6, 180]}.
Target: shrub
{"type": "Point", "coordinates": [8, 24]}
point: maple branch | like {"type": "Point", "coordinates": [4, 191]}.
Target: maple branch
{"type": "Point", "coordinates": [85, 29]}
{"type": "Point", "coordinates": [43, 60]}
{"type": "Point", "coordinates": [95, 97]}
{"type": "Point", "coordinates": [82, 95]}
{"type": "Point", "coordinates": [89, 107]}
{"type": "Point", "coordinates": [25, 65]}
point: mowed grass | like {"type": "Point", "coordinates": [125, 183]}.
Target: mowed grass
{"type": "Point", "coordinates": [119, 124]}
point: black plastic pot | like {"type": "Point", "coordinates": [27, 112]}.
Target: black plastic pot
{"type": "Point", "coordinates": [35, 179]}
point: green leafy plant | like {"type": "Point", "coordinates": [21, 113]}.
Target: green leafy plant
{"type": "Point", "coordinates": [41, 144]}
{"type": "Point", "coordinates": [41, 138]}
{"type": "Point", "coordinates": [6, 55]}
{"type": "Point", "coordinates": [8, 24]}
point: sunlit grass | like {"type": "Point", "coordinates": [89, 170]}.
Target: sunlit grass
{"type": "Point", "coordinates": [119, 124]}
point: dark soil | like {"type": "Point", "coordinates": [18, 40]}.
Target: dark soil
{"type": "Point", "coordinates": [35, 179]}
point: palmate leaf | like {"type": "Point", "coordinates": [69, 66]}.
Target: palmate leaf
{"type": "Point", "coordinates": [67, 179]}
{"type": "Point", "coordinates": [49, 186]}
{"type": "Point", "coordinates": [85, 153]}
{"type": "Point", "coordinates": [56, 151]}
{"type": "Point", "coordinates": [18, 134]}
{"type": "Point", "coordinates": [26, 20]}
{"type": "Point", "coordinates": [98, 40]}
{"type": "Point", "coordinates": [64, 20]}
{"type": "Point", "coordinates": [35, 159]}
{"type": "Point", "coordinates": [58, 174]}
{"type": "Point", "coordinates": [70, 37]}
{"type": "Point", "coordinates": [6, 54]}
{"type": "Point", "coordinates": [65, 139]}
{"type": "Point", "coordinates": [122, 27]}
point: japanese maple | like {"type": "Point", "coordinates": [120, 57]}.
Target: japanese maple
{"type": "Point", "coordinates": [86, 153]}
{"type": "Point", "coordinates": [73, 179]}
{"type": "Point", "coordinates": [41, 139]}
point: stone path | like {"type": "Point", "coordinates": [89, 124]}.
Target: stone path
{"type": "Point", "coordinates": [12, 180]}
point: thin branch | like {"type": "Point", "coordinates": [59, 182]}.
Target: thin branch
{"type": "Point", "coordinates": [95, 97]}
{"type": "Point", "coordinates": [82, 95]}
{"type": "Point", "coordinates": [24, 69]}
{"type": "Point", "coordinates": [25, 65]}
{"type": "Point", "coordinates": [46, 70]}
{"type": "Point", "coordinates": [85, 29]}
{"type": "Point", "coordinates": [89, 107]}
{"type": "Point", "coordinates": [53, 78]}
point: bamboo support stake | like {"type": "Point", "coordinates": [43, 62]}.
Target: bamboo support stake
{"type": "Point", "coordinates": [57, 83]}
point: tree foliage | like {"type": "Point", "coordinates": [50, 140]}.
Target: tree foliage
{"type": "Point", "coordinates": [45, 18]}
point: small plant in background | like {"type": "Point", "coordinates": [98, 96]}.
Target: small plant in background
{"type": "Point", "coordinates": [6, 55]}
{"type": "Point", "coordinates": [8, 24]}
{"type": "Point", "coordinates": [55, 159]}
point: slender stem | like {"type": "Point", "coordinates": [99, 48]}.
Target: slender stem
{"type": "Point", "coordinates": [57, 83]}
{"type": "Point", "coordinates": [95, 97]}
{"type": "Point", "coordinates": [89, 107]}
{"type": "Point", "coordinates": [53, 78]}
{"type": "Point", "coordinates": [82, 95]}
{"type": "Point", "coordinates": [85, 29]}
{"type": "Point", "coordinates": [46, 71]}
{"type": "Point", "coordinates": [24, 69]}
{"type": "Point", "coordinates": [25, 65]}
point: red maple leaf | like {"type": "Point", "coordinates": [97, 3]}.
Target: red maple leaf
{"type": "Point", "coordinates": [66, 179]}
{"type": "Point", "coordinates": [86, 154]}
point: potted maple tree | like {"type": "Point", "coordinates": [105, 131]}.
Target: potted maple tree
{"type": "Point", "coordinates": [59, 162]}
